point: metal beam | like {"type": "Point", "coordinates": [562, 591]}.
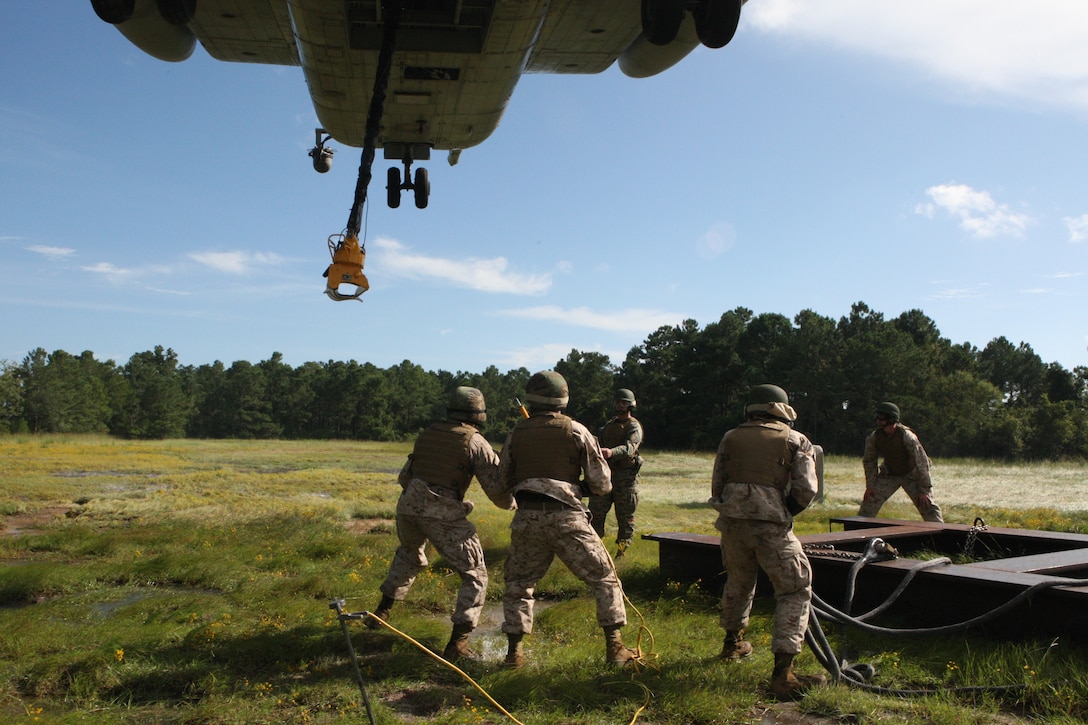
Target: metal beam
{"type": "Point", "coordinates": [1002, 564]}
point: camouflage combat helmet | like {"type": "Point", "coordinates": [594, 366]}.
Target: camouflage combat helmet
{"type": "Point", "coordinates": [547, 389]}
{"type": "Point", "coordinates": [889, 409]}
{"type": "Point", "coordinates": [763, 394]}
{"type": "Point", "coordinates": [467, 405]}
{"type": "Point", "coordinates": [769, 400]}
{"type": "Point", "coordinates": [626, 396]}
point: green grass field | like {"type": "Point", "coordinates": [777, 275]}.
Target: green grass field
{"type": "Point", "coordinates": [190, 581]}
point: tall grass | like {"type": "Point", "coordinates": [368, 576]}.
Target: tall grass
{"type": "Point", "coordinates": [190, 582]}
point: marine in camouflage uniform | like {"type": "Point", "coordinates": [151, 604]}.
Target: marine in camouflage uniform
{"type": "Point", "coordinates": [905, 465]}
{"type": "Point", "coordinates": [620, 439]}
{"type": "Point", "coordinates": [764, 474]}
{"type": "Point", "coordinates": [540, 466]}
{"type": "Point", "coordinates": [432, 507]}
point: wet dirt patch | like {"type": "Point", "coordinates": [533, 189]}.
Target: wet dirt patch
{"type": "Point", "coordinates": [103, 474]}
{"type": "Point", "coordinates": [26, 523]}
{"type": "Point", "coordinates": [421, 704]}
{"type": "Point", "coordinates": [370, 526]}
{"type": "Point", "coordinates": [106, 609]}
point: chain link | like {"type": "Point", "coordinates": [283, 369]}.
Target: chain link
{"type": "Point", "coordinates": [972, 536]}
{"type": "Point", "coordinates": [831, 551]}
{"type": "Point", "coordinates": [876, 550]}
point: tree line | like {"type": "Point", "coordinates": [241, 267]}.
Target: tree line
{"type": "Point", "coordinates": [1001, 401]}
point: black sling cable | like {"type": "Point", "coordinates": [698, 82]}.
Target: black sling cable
{"type": "Point", "coordinates": [391, 10]}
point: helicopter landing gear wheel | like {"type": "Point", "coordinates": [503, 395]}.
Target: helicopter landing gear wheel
{"type": "Point", "coordinates": [661, 20]}
{"type": "Point", "coordinates": [716, 21]}
{"type": "Point", "coordinates": [177, 12]}
{"type": "Point", "coordinates": [392, 187]}
{"type": "Point", "coordinates": [421, 187]}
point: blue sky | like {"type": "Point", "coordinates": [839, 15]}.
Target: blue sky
{"type": "Point", "coordinates": [924, 155]}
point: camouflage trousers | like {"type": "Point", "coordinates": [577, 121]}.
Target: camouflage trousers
{"type": "Point", "coordinates": [456, 541]}
{"type": "Point", "coordinates": [536, 538]}
{"type": "Point", "coordinates": [625, 496]}
{"type": "Point", "coordinates": [883, 488]}
{"type": "Point", "coordinates": [748, 546]}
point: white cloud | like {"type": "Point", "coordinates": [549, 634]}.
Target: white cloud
{"type": "Point", "coordinates": [632, 320]}
{"type": "Point", "coordinates": [1037, 51]}
{"type": "Point", "coordinates": [482, 275]}
{"type": "Point", "coordinates": [716, 240]}
{"type": "Point", "coordinates": [1078, 227]}
{"type": "Point", "coordinates": [114, 274]}
{"type": "Point", "coordinates": [536, 358]}
{"type": "Point", "coordinates": [51, 252]}
{"type": "Point", "coordinates": [132, 276]}
{"type": "Point", "coordinates": [180, 293]}
{"type": "Point", "coordinates": [977, 211]}
{"type": "Point", "coordinates": [236, 262]}
{"type": "Point", "coordinates": [960, 293]}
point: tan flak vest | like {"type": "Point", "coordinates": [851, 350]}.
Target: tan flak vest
{"type": "Point", "coordinates": [441, 456]}
{"type": "Point", "coordinates": [757, 452]}
{"type": "Point", "coordinates": [543, 446]}
{"type": "Point", "coordinates": [614, 434]}
{"type": "Point", "coordinates": [894, 452]}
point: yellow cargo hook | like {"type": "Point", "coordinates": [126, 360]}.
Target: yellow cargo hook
{"type": "Point", "coordinates": [346, 268]}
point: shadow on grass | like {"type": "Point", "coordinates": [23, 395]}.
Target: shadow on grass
{"type": "Point", "coordinates": [296, 659]}
{"type": "Point", "coordinates": [646, 581]}
{"type": "Point", "coordinates": [700, 505]}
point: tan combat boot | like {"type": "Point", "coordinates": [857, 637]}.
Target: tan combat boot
{"type": "Point", "coordinates": [458, 645]}
{"type": "Point", "coordinates": [616, 653]}
{"type": "Point", "coordinates": [382, 613]}
{"type": "Point", "coordinates": [734, 647]}
{"type": "Point", "coordinates": [785, 685]}
{"type": "Point", "coordinates": [621, 549]}
{"type": "Point", "coordinates": [515, 655]}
